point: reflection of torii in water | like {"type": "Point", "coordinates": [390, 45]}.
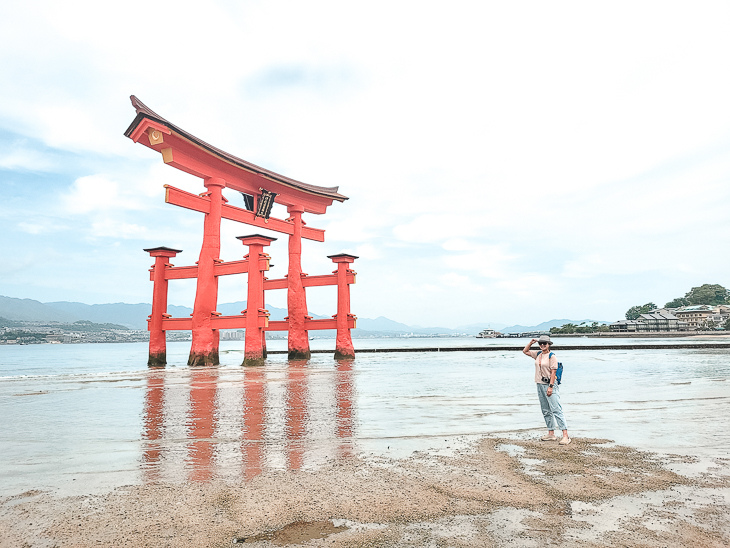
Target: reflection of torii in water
{"type": "Point", "coordinates": [210, 434]}
{"type": "Point", "coordinates": [220, 170]}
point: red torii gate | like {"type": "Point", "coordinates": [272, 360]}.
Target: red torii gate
{"type": "Point", "coordinates": [219, 170]}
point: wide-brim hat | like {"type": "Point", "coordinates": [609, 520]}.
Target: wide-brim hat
{"type": "Point", "coordinates": [544, 339]}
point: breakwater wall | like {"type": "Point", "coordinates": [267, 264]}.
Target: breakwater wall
{"type": "Point", "coordinates": [556, 347]}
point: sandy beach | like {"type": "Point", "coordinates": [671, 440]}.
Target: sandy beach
{"type": "Point", "coordinates": [98, 450]}
{"type": "Point", "coordinates": [506, 491]}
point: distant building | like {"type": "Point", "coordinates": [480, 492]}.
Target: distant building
{"type": "Point", "coordinates": [660, 320]}
{"type": "Point", "coordinates": [685, 318]}
{"type": "Point", "coordinates": [720, 316]}
{"type": "Point", "coordinates": [230, 335]}
{"type": "Point", "coordinates": [656, 320]}
{"type": "Point", "coordinates": [696, 317]}
{"type": "Point", "coordinates": [626, 326]}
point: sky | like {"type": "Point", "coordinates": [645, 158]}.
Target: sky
{"type": "Point", "coordinates": [505, 162]}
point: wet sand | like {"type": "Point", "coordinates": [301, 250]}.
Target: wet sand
{"type": "Point", "coordinates": [507, 491]}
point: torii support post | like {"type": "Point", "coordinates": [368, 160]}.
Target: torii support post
{"type": "Point", "coordinates": [204, 348]}
{"type": "Point", "coordinates": [298, 338]}
{"type": "Point", "coordinates": [158, 342]}
{"type": "Point", "coordinates": [256, 316]}
{"type": "Point", "coordinates": [343, 344]}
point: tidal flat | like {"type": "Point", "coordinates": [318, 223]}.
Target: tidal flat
{"type": "Point", "coordinates": [400, 449]}
{"type": "Point", "coordinates": [498, 491]}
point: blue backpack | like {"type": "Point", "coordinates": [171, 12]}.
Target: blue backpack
{"type": "Point", "coordinates": [559, 372]}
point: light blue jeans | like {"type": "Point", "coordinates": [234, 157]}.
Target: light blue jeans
{"type": "Point", "coordinates": [552, 411]}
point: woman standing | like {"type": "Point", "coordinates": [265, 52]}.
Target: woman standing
{"type": "Point", "coordinates": [546, 366]}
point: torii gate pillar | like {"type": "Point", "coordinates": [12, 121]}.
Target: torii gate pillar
{"type": "Point", "coordinates": [158, 339]}
{"type": "Point", "coordinates": [298, 338]}
{"type": "Point", "coordinates": [343, 344]}
{"type": "Point", "coordinates": [204, 349]}
{"type": "Point", "coordinates": [256, 316]}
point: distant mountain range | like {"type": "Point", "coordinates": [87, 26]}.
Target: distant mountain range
{"type": "Point", "coordinates": [134, 316]}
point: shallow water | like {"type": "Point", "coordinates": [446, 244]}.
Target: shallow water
{"type": "Point", "coordinates": [86, 418]}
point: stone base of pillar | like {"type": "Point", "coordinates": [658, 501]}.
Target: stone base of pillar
{"type": "Point", "coordinates": [344, 353]}
{"type": "Point", "coordinates": [299, 354]}
{"type": "Point", "coordinates": [208, 358]}
{"type": "Point", "coordinates": [254, 358]}
{"type": "Point", "coordinates": [157, 359]}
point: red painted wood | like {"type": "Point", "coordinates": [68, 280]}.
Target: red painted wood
{"type": "Point", "coordinates": [204, 348]}
{"type": "Point", "coordinates": [309, 281]}
{"type": "Point", "coordinates": [239, 322]}
{"type": "Point", "coordinates": [158, 343]}
{"type": "Point", "coordinates": [231, 267]}
{"type": "Point", "coordinates": [277, 283]}
{"type": "Point", "coordinates": [343, 343]}
{"type": "Point", "coordinates": [181, 198]}
{"type": "Point", "coordinates": [190, 153]}
{"type": "Point", "coordinates": [219, 269]}
{"type": "Point", "coordinates": [187, 157]}
{"type": "Point", "coordinates": [181, 272]}
{"type": "Point", "coordinates": [298, 338]}
{"type": "Point", "coordinates": [177, 324]}
{"type": "Point", "coordinates": [218, 170]}
{"type": "Point", "coordinates": [311, 325]}
{"type": "Point", "coordinates": [144, 126]}
{"type": "Point", "coordinates": [255, 314]}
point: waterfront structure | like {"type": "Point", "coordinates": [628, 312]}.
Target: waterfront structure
{"type": "Point", "coordinates": [261, 188]}
{"type": "Point", "coordinates": [656, 320]}
{"type": "Point", "coordinates": [685, 318]}
{"type": "Point", "coordinates": [720, 316]}
{"type": "Point", "coordinates": [660, 320]}
{"type": "Point", "coordinates": [695, 317]}
{"type": "Point", "coordinates": [626, 326]}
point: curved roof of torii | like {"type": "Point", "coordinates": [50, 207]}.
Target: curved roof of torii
{"type": "Point", "coordinates": [145, 113]}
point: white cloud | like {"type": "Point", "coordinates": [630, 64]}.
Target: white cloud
{"type": "Point", "coordinates": [99, 193]}
{"type": "Point", "coordinates": [454, 279]}
{"type": "Point", "coordinates": [93, 193]}
{"type": "Point", "coordinates": [468, 137]}
{"type": "Point", "coordinates": [44, 226]}
{"type": "Point", "coordinates": [489, 261]}
{"type": "Point", "coordinates": [109, 228]}
{"type": "Point", "coordinates": [533, 286]}
{"type": "Point", "coordinates": [21, 158]}
{"type": "Point", "coordinates": [367, 252]}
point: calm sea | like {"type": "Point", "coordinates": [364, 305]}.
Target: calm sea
{"type": "Point", "coordinates": [86, 418]}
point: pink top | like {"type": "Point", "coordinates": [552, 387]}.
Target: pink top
{"type": "Point", "coordinates": [543, 365]}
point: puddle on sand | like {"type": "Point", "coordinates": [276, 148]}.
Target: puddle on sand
{"type": "Point", "coordinates": [295, 533]}
{"type": "Point", "coordinates": [528, 464]}
{"type": "Point", "coordinates": [657, 511]}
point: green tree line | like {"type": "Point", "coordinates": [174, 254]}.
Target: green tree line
{"type": "Point", "coordinates": [712, 294]}
{"type": "Point", "coordinates": [570, 328]}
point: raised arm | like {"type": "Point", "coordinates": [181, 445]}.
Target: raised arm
{"type": "Point", "coordinates": [526, 350]}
